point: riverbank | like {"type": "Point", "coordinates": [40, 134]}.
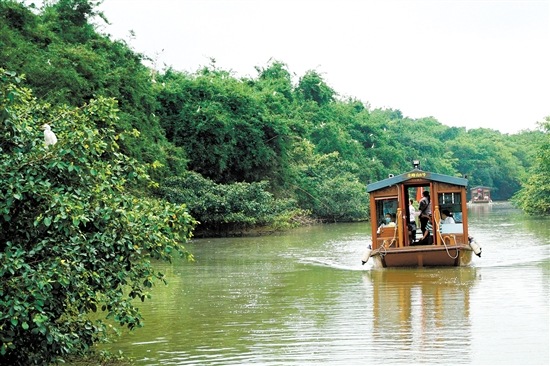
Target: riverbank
{"type": "Point", "coordinates": [100, 359]}
{"type": "Point", "coordinates": [299, 221]}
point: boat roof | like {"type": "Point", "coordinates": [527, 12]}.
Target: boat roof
{"type": "Point", "coordinates": [477, 187]}
{"type": "Point", "coordinates": [417, 174]}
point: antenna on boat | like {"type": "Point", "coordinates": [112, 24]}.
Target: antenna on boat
{"type": "Point", "coordinates": [416, 164]}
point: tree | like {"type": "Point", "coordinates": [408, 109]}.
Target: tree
{"type": "Point", "coordinates": [74, 237]}
{"type": "Point", "coordinates": [275, 78]}
{"type": "Point", "coordinates": [534, 196]}
{"type": "Point", "coordinates": [312, 87]}
{"type": "Point", "coordinates": [67, 62]}
{"type": "Point", "coordinates": [327, 185]}
{"type": "Point", "coordinates": [223, 125]}
{"type": "Point", "coordinates": [489, 158]}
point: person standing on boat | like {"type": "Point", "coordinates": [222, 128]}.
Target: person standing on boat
{"type": "Point", "coordinates": [412, 221]}
{"type": "Point", "coordinates": [425, 208]}
{"type": "Point", "coordinates": [427, 237]}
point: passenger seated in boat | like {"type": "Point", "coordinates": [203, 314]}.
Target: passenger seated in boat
{"type": "Point", "coordinates": [427, 236]}
{"type": "Point", "coordinates": [447, 217]}
{"type": "Point", "coordinates": [389, 221]}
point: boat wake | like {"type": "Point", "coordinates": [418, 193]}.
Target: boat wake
{"type": "Point", "coordinates": [323, 262]}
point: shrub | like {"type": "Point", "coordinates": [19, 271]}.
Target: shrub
{"type": "Point", "coordinates": [224, 208]}
{"type": "Point", "coordinates": [74, 239]}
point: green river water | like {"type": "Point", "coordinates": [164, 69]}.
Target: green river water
{"type": "Point", "coordinates": [303, 298]}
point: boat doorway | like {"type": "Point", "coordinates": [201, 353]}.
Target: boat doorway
{"type": "Point", "coordinates": [415, 217]}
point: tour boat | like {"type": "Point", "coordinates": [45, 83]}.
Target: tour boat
{"type": "Point", "coordinates": [395, 245]}
{"type": "Point", "coordinates": [480, 194]}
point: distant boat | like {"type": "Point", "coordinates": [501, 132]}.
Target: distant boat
{"type": "Point", "coordinates": [480, 194]}
{"type": "Point", "coordinates": [395, 245]}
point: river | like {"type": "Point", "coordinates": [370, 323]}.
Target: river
{"type": "Point", "coordinates": [303, 298]}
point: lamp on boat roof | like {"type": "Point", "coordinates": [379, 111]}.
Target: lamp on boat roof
{"type": "Point", "coordinates": [416, 164]}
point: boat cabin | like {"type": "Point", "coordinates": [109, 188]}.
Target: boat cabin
{"type": "Point", "coordinates": [391, 196]}
{"type": "Point", "coordinates": [480, 194]}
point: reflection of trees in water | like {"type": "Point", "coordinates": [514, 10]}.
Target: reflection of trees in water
{"type": "Point", "coordinates": [419, 310]}
{"type": "Point", "coordinates": [480, 208]}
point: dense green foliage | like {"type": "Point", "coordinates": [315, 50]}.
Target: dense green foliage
{"type": "Point", "coordinates": [229, 208]}
{"type": "Point", "coordinates": [233, 130]}
{"type": "Point", "coordinates": [224, 125]}
{"type": "Point", "coordinates": [81, 220]}
{"type": "Point", "coordinates": [534, 197]}
{"type": "Point", "coordinates": [67, 62]}
{"type": "Point", "coordinates": [73, 238]}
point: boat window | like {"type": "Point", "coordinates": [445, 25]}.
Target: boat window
{"type": "Point", "coordinates": [451, 201]}
{"type": "Point", "coordinates": [450, 198]}
{"type": "Point", "coordinates": [452, 229]}
{"type": "Point", "coordinates": [457, 215]}
{"type": "Point", "coordinates": [385, 206]}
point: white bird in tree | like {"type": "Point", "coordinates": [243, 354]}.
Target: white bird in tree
{"type": "Point", "coordinates": [49, 136]}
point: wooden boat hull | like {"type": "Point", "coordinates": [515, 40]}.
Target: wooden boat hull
{"type": "Point", "coordinates": [423, 256]}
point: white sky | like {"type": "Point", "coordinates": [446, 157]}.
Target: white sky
{"type": "Point", "coordinates": [466, 63]}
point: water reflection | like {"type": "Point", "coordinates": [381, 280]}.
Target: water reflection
{"type": "Point", "coordinates": [421, 310]}
{"type": "Point", "coordinates": [480, 208]}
